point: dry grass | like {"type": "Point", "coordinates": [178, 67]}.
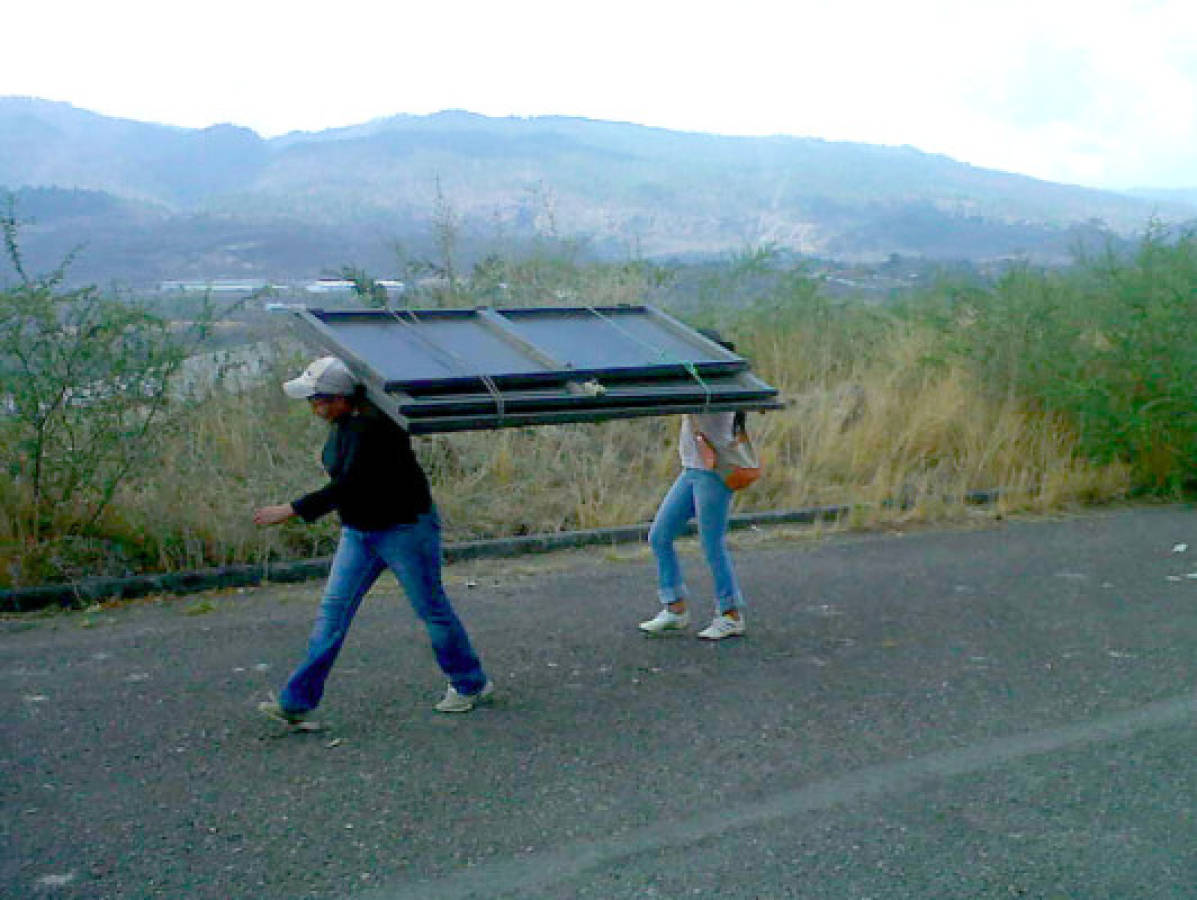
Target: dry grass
{"type": "Point", "coordinates": [902, 440]}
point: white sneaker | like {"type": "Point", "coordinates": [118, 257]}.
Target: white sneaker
{"type": "Point", "coordinates": [666, 621]}
{"type": "Point", "coordinates": [723, 627]}
{"type": "Point", "coordinates": [454, 702]}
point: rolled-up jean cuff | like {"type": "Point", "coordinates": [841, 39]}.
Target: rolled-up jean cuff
{"type": "Point", "coordinates": [727, 604]}
{"type": "Point", "coordinates": [677, 595]}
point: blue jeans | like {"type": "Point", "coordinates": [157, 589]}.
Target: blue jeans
{"type": "Point", "coordinates": [700, 494]}
{"type": "Point", "coordinates": [413, 553]}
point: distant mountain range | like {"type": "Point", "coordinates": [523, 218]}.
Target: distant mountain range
{"type": "Point", "coordinates": [153, 202]}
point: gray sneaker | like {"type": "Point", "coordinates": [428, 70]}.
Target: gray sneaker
{"type": "Point", "coordinates": [454, 702]}
{"type": "Point", "coordinates": [272, 709]}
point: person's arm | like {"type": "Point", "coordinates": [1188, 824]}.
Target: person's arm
{"type": "Point", "coordinates": [274, 515]}
{"type": "Point", "coordinates": [349, 474]}
{"type": "Point", "coordinates": [310, 506]}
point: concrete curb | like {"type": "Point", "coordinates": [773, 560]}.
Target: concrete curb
{"type": "Point", "coordinates": [93, 590]}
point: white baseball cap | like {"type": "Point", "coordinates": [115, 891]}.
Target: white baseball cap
{"type": "Point", "coordinates": [328, 376]}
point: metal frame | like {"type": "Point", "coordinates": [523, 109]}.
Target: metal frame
{"type": "Point", "coordinates": [546, 389]}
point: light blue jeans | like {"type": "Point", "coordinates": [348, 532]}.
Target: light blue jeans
{"type": "Point", "coordinates": [700, 494]}
{"type": "Point", "coordinates": [413, 553]}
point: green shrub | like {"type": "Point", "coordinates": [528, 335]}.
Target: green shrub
{"type": "Point", "coordinates": [1111, 344]}
{"type": "Point", "coordinates": [85, 386]}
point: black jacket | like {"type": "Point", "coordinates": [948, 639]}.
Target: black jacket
{"type": "Point", "coordinates": [375, 480]}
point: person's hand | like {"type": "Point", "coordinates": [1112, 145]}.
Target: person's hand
{"type": "Point", "coordinates": [273, 515]}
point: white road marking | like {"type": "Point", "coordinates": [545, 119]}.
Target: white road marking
{"type": "Point", "coordinates": [539, 870]}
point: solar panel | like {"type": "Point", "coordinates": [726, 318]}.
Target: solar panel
{"type": "Point", "coordinates": [471, 369]}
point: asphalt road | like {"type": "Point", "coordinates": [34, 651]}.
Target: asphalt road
{"type": "Point", "coordinates": [992, 711]}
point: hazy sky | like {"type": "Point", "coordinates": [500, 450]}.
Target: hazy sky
{"type": "Point", "coordinates": [1081, 91]}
